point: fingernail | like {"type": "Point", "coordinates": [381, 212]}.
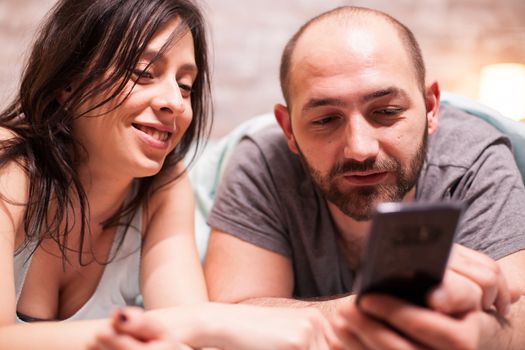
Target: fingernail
{"type": "Point", "coordinates": [365, 304]}
{"type": "Point", "coordinates": [122, 317]}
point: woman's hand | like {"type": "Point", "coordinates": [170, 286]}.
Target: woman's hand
{"type": "Point", "coordinates": [132, 329]}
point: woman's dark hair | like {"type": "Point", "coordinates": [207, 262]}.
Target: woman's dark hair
{"type": "Point", "coordinates": [95, 44]}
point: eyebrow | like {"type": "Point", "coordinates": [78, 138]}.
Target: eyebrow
{"type": "Point", "coordinates": [151, 54]}
{"type": "Point", "coordinates": [390, 91]}
{"type": "Point", "coordinates": [336, 102]}
{"type": "Point", "coordinates": [322, 102]}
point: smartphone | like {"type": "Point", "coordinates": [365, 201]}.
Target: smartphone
{"type": "Point", "coordinates": [407, 249]}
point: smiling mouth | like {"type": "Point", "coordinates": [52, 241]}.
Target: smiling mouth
{"type": "Point", "coordinates": [158, 135]}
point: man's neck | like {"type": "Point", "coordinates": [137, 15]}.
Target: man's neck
{"type": "Point", "coordinates": [353, 233]}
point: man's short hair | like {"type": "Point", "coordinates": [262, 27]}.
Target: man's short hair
{"type": "Point", "coordinates": [346, 13]}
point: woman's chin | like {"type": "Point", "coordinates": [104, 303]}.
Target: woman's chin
{"type": "Point", "coordinates": [147, 168]}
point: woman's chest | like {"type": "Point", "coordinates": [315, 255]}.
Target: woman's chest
{"type": "Point", "coordinates": [55, 288]}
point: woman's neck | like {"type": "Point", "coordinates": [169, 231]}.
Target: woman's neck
{"type": "Point", "coordinates": [105, 194]}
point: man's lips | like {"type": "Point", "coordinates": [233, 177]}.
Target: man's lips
{"type": "Point", "coordinates": [366, 178]}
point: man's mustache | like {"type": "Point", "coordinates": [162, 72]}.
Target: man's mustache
{"type": "Point", "coordinates": [370, 164]}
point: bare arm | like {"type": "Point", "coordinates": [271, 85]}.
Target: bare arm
{"type": "Point", "coordinates": [240, 272]}
{"type": "Point", "coordinates": [13, 190]}
{"type": "Point", "coordinates": [50, 335]}
{"type": "Point", "coordinates": [236, 327]}
{"type": "Point", "coordinates": [171, 273]}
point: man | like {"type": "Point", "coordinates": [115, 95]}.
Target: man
{"type": "Point", "coordinates": [361, 127]}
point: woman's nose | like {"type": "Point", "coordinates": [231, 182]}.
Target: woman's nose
{"type": "Point", "coordinates": [169, 98]}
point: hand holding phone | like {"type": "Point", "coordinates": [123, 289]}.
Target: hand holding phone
{"type": "Point", "coordinates": [408, 248]}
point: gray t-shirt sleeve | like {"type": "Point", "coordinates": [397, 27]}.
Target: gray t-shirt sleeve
{"type": "Point", "coordinates": [470, 161]}
{"type": "Point", "coordinates": [494, 222]}
{"type": "Point", "coordinates": [247, 203]}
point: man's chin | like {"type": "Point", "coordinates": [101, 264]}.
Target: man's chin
{"type": "Point", "coordinates": [357, 209]}
{"type": "Point", "coordinates": [362, 203]}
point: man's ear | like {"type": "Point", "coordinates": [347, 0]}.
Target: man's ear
{"type": "Point", "coordinates": [432, 95]}
{"type": "Point", "coordinates": [283, 119]}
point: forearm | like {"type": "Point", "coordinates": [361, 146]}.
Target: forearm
{"type": "Point", "coordinates": [241, 326]}
{"type": "Point", "coordinates": [327, 306]}
{"type": "Point", "coordinates": [50, 335]}
{"type": "Point", "coordinates": [504, 335]}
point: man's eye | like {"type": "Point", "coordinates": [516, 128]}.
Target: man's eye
{"type": "Point", "coordinates": [388, 111]}
{"type": "Point", "coordinates": [324, 121]}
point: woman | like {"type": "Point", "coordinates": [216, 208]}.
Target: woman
{"type": "Point", "coordinates": [96, 207]}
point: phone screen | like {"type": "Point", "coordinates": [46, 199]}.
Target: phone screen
{"type": "Point", "coordinates": [408, 248]}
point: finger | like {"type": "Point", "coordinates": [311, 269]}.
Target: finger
{"type": "Point", "coordinates": [429, 328]}
{"type": "Point", "coordinates": [346, 339]}
{"type": "Point", "coordinates": [319, 342]}
{"type": "Point", "coordinates": [95, 345]}
{"type": "Point", "coordinates": [330, 337]}
{"type": "Point", "coordinates": [455, 295]}
{"type": "Point", "coordinates": [373, 334]}
{"type": "Point", "coordinates": [135, 323]}
{"type": "Point", "coordinates": [114, 341]}
{"type": "Point", "coordinates": [486, 273]}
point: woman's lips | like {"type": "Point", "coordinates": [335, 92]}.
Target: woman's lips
{"type": "Point", "coordinates": [153, 138]}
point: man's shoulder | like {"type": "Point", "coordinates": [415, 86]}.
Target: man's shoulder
{"type": "Point", "coordinates": [269, 139]}
{"type": "Point", "coordinates": [269, 145]}
{"type": "Point", "coordinates": [265, 153]}
{"type": "Point", "coordinates": [461, 138]}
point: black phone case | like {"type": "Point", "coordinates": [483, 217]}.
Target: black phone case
{"type": "Point", "coordinates": [408, 248]}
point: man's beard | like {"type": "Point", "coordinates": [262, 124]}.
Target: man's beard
{"type": "Point", "coordinates": [360, 201]}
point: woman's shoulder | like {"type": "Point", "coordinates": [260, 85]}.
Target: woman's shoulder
{"type": "Point", "coordinates": [14, 188]}
{"type": "Point", "coordinates": [6, 134]}
{"type": "Point", "coordinates": [12, 171]}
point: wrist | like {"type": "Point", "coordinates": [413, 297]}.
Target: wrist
{"type": "Point", "coordinates": [210, 326]}
{"type": "Point", "coordinates": [189, 324]}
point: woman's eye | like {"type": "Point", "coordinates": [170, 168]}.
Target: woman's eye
{"type": "Point", "coordinates": [185, 90]}
{"type": "Point", "coordinates": [142, 75]}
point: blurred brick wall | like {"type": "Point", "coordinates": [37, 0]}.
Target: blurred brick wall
{"type": "Point", "coordinates": [458, 37]}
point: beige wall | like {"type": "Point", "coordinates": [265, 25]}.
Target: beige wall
{"type": "Point", "coordinates": [458, 37]}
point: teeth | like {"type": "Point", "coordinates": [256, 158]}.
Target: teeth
{"type": "Point", "coordinates": [158, 135]}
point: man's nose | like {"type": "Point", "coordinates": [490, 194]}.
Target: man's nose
{"type": "Point", "coordinates": [361, 139]}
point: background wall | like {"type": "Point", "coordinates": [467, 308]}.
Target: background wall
{"type": "Point", "coordinates": [458, 37]}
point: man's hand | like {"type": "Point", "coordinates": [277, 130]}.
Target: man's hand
{"type": "Point", "coordinates": [383, 322]}
{"type": "Point", "coordinates": [473, 282]}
